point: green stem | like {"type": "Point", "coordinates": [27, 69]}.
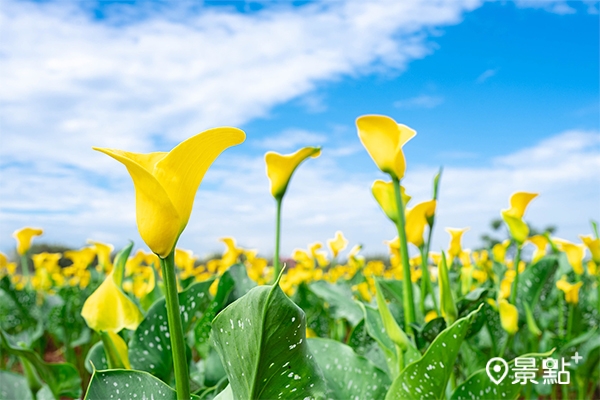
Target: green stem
{"type": "Point", "coordinates": [426, 263]}
{"type": "Point", "coordinates": [570, 321]}
{"type": "Point", "coordinates": [276, 266]}
{"type": "Point", "coordinates": [113, 358]}
{"type": "Point", "coordinates": [400, 354]}
{"type": "Point", "coordinates": [517, 260]}
{"type": "Point", "coordinates": [182, 382]}
{"type": "Point", "coordinates": [25, 267]}
{"type": "Point", "coordinates": [561, 316]}
{"type": "Point", "coordinates": [506, 345]}
{"type": "Point", "coordinates": [408, 300]}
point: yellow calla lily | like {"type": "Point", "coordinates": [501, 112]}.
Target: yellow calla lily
{"type": "Point", "coordinates": [386, 198]}
{"type": "Point", "coordinates": [232, 253]}
{"type": "Point", "coordinates": [24, 237]}
{"type": "Point", "coordinates": [571, 290]}
{"type": "Point", "coordinates": [540, 242]}
{"type": "Point", "coordinates": [455, 248]}
{"type": "Point", "coordinates": [499, 251]}
{"type": "Point", "coordinates": [280, 168]}
{"type": "Point", "coordinates": [593, 246]}
{"type": "Point", "coordinates": [109, 309]}
{"type": "Point", "coordinates": [513, 216]}
{"type": "Point", "coordinates": [383, 138]}
{"type": "Point", "coordinates": [185, 259]}
{"type": "Point", "coordinates": [103, 251]}
{"type": "Point", "coordinates": [574, 252]}
{"type": "Point", "coordinates": [81, 258]}
{"type": "Point", "coordinates": [416, 219]}
{"type": "Point", "coordinates": [337, 244]}
{"type": "Point", "coordinates": [509, 316]}
{"type": "Point", "coordinates": [166, 183]}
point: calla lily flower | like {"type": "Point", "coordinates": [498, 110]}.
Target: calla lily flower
{"type": "Point", "coordinates": [541, 243]}
{"type": "Point", "coordinates": [81, 258]}
{"type": "Point", "coordinates": [416, 219]}
{"type": "Point", "coordinates": [509, 316]}
{"type": "Point", "coordinates": [166, 183]}
{"type": "Point", "coordinates": [384, 138]}
{"type": "Point", "coordinates": [571, 290]}
{"type": "Point", "coordinates": [280, 168]}
{"type": "Point", "coordinates": [513, 216]}
{"type": "Point", "coordinates": [455, 237]}
{"type": "Point", "coordinates": [108, 309]}
{"type": "Point", "coordinates": [103, 251]}
{"type": "Point", "coordinates": [337, 244]}
{"type": "Point", "coordinates": [386, 198]}
{"type": "Point", "coordinates": [24, 237]}
{"type": "Point", "coordinates": [593, 246]}
{"type": "Point", "coordinates": [574, 252]}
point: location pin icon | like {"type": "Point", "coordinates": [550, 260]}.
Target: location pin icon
{"type": "Point", "coordinates": [497, 367]}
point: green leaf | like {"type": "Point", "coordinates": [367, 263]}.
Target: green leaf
{"type": "Point", "coordinates": [243, 284]}
{"type": "Point", "coordinates": [347, 374]}
{"type": "Point", "coordinates": [473, 298]}
{"type": "Point", "coordinates": [62, 378]}
{"type": "Point", "coordinates": [262, 344]}
{"type": "Point", "coordinates": [202, 328]}
{"type": "Point", "coordinates": [534, 281]}
{"type": "Point", "coordinates": [480, 386]}
{"type": "Point", "coordinates": [96, 358]}
{"type": "Point", "coordinates": [150, 346]}
{"type": "Point", "coordinates": [14, 386]}
{"type": "Point", "coordinates": [128, 384]}
{"type": "Point", "coordinates": [364, 345]}
{"type": "Point", "coordinates": [338, 297]}
{"type": "Point", "coordinates": [427, 377]}
{"type": "Point", "coordinates": [430, 331]}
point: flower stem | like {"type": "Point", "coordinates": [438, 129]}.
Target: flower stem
{"type": "Point", "coordinates": [25, 266]}
{"type": "Point", "coordinates": [570, 321]}
{"type": "Point", "coordinates": [516, 261]}
{"type": "Point", "coordinates": [408, 300]}
{"type": "Point", "coordinates": [561, 316]}
{"type": "Point", "coordinates": [276, 266]}
{"type": "Point", "coordinates": [182, 382]}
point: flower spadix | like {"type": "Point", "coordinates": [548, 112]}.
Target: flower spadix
{"type": "Point", "coordinates": [24, 236]}
{"type": "Point", "coordinates": [383, 138]}
{"type": "Point", "coordinates": [281, 167]}
{"type": "Point", "coordinates": [166, 183]}
{"type": "Point", "coordinates": [386, 198]}
{"type": "Point", "coordinates": [513, 216]}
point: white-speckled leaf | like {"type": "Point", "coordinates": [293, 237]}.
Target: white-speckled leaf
{"type": "Point", "coordinates": [338, 297]}
{"type": "Point", "coordinates": [14, 386]}
{"type": "Point", "coordinates": [427, 377]}
{"type": "Point", "coordinates": [150, 346]}
{"type": "Point", "coordinates": [480, 387]}
{"type": "Point", "coordinates": [348, 375]}
{"type": "Point", "coordinates": [262, 344]}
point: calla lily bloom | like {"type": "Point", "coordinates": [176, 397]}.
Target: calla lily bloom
{"type": "Point", "coordinates": [416, 219]}
{"type": "Point", "coordinates": [166, 183]}
{"type": "Point", "coordinates": [109, 309]}
{"type": "Point", "coordinates": [280, 168]}
{"type": "Point", "coordinates": [540, 242]}
{"type": "Point", "coordinates": [386, 198]}
{"type": "Point", "coordinates": [103, 251]}
{"type": "Point", "coordinates": [574, 252]}
{"type": "Point", "coordinates": [509, 316]}
{"type": "Point", "coordinates": [384, 138]}
{"type": "Point", "coordinates": [513, 216]}
{"type": "Point", "coordinates": [81, 258]}
{"type": "Point", "coordinates": [455, 237]}
{"type": "Point", "coordinates": [24, 237]}
{"type": "Point", "coordinates": [593, 246]}
{"type": "Point", "coordinates": [571, 290]}
{"type": "Point", "coordinates": [337, 244]}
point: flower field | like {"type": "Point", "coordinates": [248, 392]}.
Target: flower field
{"type": "Point", "coordinates": [516, 320]}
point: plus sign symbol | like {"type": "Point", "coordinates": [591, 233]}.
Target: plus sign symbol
{"type": "Point", "coordinates": [576, 357]}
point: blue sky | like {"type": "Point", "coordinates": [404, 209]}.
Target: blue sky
{"type": "Point", "coordinates": [504, 95]}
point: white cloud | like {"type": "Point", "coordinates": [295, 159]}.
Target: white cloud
{"type": "Point", "coordinates": [291, 139]}
{"type": "Point", "coordinates": [422, 101]}
{"type": "Point", "coordinates": [487, 74]}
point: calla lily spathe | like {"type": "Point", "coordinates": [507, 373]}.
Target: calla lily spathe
{"type": "Point", "coordinates": [24, 236]}
{"type": "Point", "coordinates": [386, 198]}
{"type": "Point", "coordinates": [513, 216]}
{"type": "Point", "coordinates": [166, 183]}
{"type": "Point", "coordinates": [280, 168]}
{"type": "Point", "coordinates": [384, 138]}
{"type": "Point", "coordinates": [593, 245]}
{"type": "Point", "coordinates": [575, 253]}
{"type": "Point", "coordinates": [570, 290]}
{"type": "Point", "coordinates": [540, 242]}
{"type": "Point", "coordinates": [337, 244]}
{"type": "Point", "coordinates": [509, 316]}
{"type": "Point", "coordinates": [455, 247]}
{"type": "Point", "coordinates": [416, 219]}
